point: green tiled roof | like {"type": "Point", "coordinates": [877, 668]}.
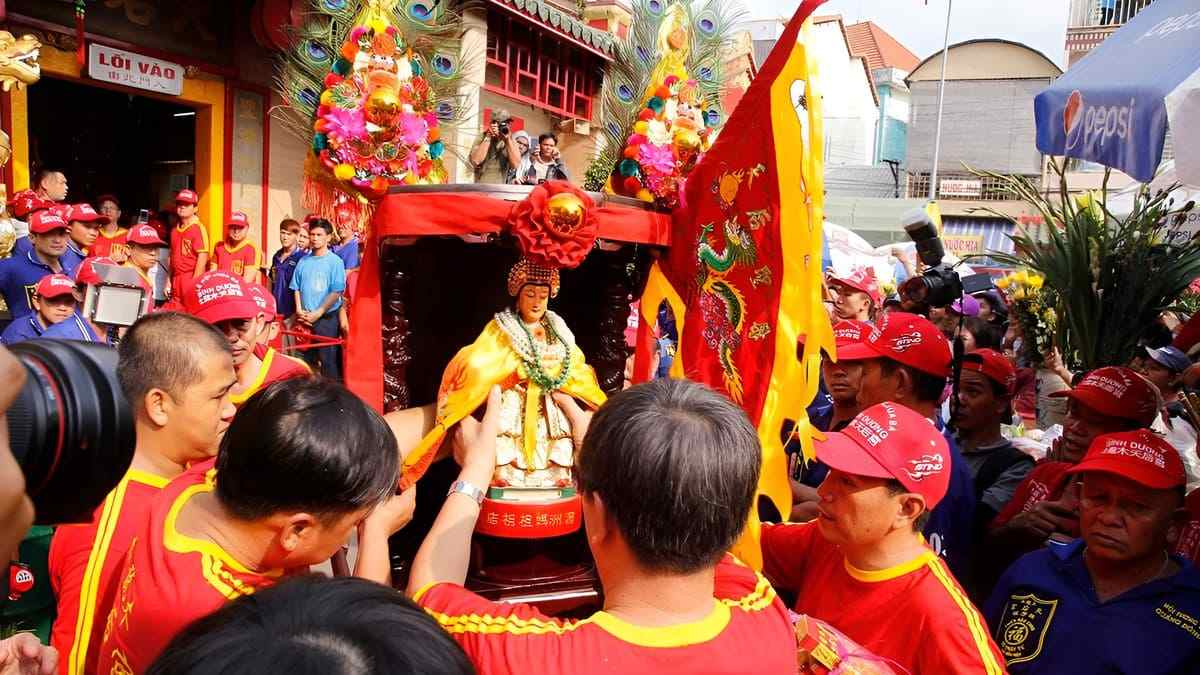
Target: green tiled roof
{"type": "Point", "coordinates": [569, 25]}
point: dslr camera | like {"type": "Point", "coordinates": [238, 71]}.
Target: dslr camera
{"type": "Point", "coordinates": [939, 284]}
{"type": "Point", "coordinates": [503, 127]}
{"type": "Point", "coordinates": [70, 428]}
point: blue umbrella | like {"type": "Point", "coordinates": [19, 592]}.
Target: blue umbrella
{"type": "Point", "coordinates": [1111, 107]}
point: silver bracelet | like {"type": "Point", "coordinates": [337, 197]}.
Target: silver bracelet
{"type": "Point", "coordinates": [465, 488]}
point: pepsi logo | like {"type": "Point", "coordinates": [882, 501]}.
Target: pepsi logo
{"type": "Point", "coordinates": [1071, 116]}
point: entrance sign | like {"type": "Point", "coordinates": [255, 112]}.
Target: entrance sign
{"type": "Point", "coordinates": [117, 66]}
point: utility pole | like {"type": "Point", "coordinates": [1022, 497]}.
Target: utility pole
{"type": "Point", "coordinates": [937, 137]}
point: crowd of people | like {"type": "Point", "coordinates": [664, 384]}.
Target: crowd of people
{"type": "Point", "coordinates": [513, 156]}
{"type": "Point", "coordinates": [922, 532]}
{"type": "Point", "coordinates": [55, 259]}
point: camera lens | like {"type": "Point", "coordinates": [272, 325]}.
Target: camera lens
{"type": "Point", "coordinates": [70, 428]}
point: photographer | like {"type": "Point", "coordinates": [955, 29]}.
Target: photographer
{"type": "Point", "coordinates": [543, 165]}
{"type": "Point", "coordinates": [176, 372]}
{"type": "Point", "coordinates": [495, 155]}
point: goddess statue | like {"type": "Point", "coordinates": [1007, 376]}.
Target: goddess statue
{"type": "Point", "coordinates": [528, 351]}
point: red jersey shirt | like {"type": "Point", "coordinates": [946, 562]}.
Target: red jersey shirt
{"type": "Point", "coordinates": [235, 259]}
{"type": "Point", "coordinates": [169, 579]}
{"type": "Point", "coordinates": [914, 614]}
{"type": "Point", "coordinates": [1045, 482]}
{"type": "Point", "coordinates": [114, 246]}
{"type": "Point", "coordinates": [275, 367]}
{"type": "Point", "coordinates": [83, 560]}
{"type": "Point", "coordinates": [748, 631]}
{"type": "Point", "coordinates": [187, 243]}
{"type": "Point", "coordinates": [1188, 545]}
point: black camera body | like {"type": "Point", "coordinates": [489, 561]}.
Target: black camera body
{"type": "Point", "coordinates": [503, 128]}
{"type": "Point", "coordinates": [939, 285]}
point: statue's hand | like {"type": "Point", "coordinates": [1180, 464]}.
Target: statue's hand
{"type": "Point", "coordinates": [578, 417]}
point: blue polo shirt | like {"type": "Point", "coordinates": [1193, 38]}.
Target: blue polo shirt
{"type": "Point", "coordinates": [951, 522]}
{"type": "Point", "coordinates": [23, 246]}
{"type": "Point", "coordinates": [316, 277]}
{"type": "Point", "coordinates": [25, 328]}
{"type": "Point", "coordinates": [74, 328]}
{"type": "Point", "coordinates": [19, 276]}
{"type": "Point", "coordinates": [73, 256]}
{"type": "Point", "coordinates": [348, 252]}
{"type": "Point", "coordinates": [1046, 618]}
{"type": "Point", "coordinates": [281, 284]}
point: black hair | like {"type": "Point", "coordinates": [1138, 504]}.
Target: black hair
{"type": "Point", "coordinates": [1156, 336]}
{"type": "Point", "coordinates": [895, 488]}
{"type": "Point", "coordinates": [42, 174]}
{"type": "Point", "coordinates": [548, 136]}
{"type": "Point", "coordinates": [165, 350]}
{"type": "Point", "coordinates": [676, 465]}
{"type": "Point", "coordinates": [987, 335]}
{"type": "Point", "coordinates": [321, 223]}
{"type": "Point", "coordinates": [306, 444]}
{"type": "Point", "coordinates": [928, 388]}
{"type": "Point", "coordinates": [312, 625]}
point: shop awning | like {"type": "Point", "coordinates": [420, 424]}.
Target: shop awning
{"type": "Point", "coordinates": [598, 42]}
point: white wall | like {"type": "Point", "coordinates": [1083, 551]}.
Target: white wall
{"type": "Point", "coordinates": [849, 107]}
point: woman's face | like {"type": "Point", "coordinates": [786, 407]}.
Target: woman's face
{"type": "Point", "coordinates": [532, 302]}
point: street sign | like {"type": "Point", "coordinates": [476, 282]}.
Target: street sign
{"type": "Point", "coordinates": [117, 66]}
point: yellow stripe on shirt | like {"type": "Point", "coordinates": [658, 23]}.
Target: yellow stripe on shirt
{"type": "Point", "coordinates": [978, 633]}
{"type": "Point", "coordinates": [91, 577]}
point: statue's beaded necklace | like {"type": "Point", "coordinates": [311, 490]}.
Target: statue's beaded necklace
{"type": "Point", "coordinates": [533, 354]}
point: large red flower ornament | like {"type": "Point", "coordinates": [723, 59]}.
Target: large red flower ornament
{"type": "Point", "coordinates": [555, 225]}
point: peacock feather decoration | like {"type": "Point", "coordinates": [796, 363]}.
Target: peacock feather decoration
{"type": "Point", "coordinates": [371, 83]}
{"type": "Point", "coordinates": [661, 102]}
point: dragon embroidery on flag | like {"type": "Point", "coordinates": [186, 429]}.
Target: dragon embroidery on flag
{"type": "Point", "coordinates": [722, 303]}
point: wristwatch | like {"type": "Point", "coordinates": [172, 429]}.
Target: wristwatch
{"type": "Point", "coordinates": [463, 487]}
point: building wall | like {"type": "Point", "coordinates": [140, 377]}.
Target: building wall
{"type": "Point", "coordinates": [849, 106]}
{"type": "Point", "coordinates": [988, 124]}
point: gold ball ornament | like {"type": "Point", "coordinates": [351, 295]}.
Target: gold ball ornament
{"type": "Point", "coordinates": [382, 106]}
{"type": "Point", "coordinates": [687, 140]}
{"type": "Point", "coordinates": [343, 171]}
{"type": "Point", "coordinates": [565, 212]}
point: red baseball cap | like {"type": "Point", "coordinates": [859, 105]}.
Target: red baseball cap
{"type": "Point", "coordinates": [1140, 455]}
{"type": "Point", "coordinates": [995, 366]}
{"type": "Point", "coordinates": [1118, 392]}
{"type": "Point", "coordinates": [145, 235]}
{"type": "Point", "coordinates": [187, 197]}
{"type": "Point", "coordinates": [88, 274]}
{"type": "Point", "coordinates": [238, 219]}
{"type": "Point", "coordinates": [861, 279]}
{"type": "Point", "coordinates": [220, 296]}
{"type": "Point", "coordinates": [55, 285]}
{"type": "Point", "coordinates": [905, 338]}
{"type": "Point", "coordinates": [889, 440]}
{"type": "Point", "coordinates": [264, 300]}
{"type": "Point", "coordinates": [45, 221]}
{"type": "Point", "coordinates": [849, 332]}
{"type": "Point", "coordinates": [84, 213]}
{"type": "Point", "coordinates": [26, 202]}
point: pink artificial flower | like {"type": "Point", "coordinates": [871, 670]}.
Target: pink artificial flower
{"type": "Point", "coordinates": [656, 158]}
{"type": "Point", "coordinates": [345, 124]}
{"type": "Point", "coordinates": [413, 129]}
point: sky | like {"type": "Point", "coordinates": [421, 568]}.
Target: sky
{"type": "Point", "coordinates": [1041, 24]}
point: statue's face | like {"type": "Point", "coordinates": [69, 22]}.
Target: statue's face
{"type": "Point", "coordinates": [532, 302]}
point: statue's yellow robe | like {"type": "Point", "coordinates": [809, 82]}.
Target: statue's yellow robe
{"type": "Point", "coordinates": [488, 361]}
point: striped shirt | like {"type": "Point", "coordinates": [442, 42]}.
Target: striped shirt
{"type": "Point", "coordinates": [915, 613]}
